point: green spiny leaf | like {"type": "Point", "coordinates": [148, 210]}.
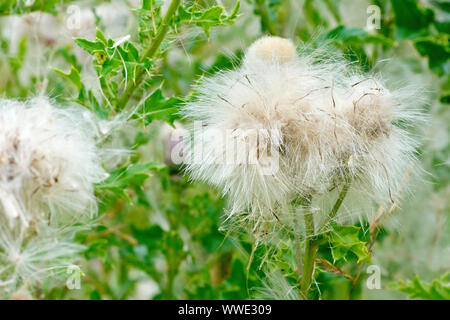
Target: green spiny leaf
{"type": "Point", "coordinates": [73, 76]}
{"type": "Point", "coordinates": [90, 46]}
{"type": "Point", "coordinates": [133, 174]}
{"type": "Point", "coordinates": [344, 240]}
{"type": "Point", "coordinates": [157, 107]}
{"type": "Point", "coordinates": [438, 289]}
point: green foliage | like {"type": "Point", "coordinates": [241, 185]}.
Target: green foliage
{"type": "Point", "coordinates": [129, 175]}
{"type": "Point", "coordinates": [354, 36]}
{"type": "Point", "coordinates": [344, 241]}
{"type": "Point", "coordinates": [73, 76]}
{"type": "Point", "coordinates": [157, 107]}
{"type": "Point", "coordinates": [438, 289]}
{"type": "Point", "coordinates": [206, 19]}
{"type": "Point", "coordinates": [417, 23]}
{"type": "Point", "coordinates": [436, 48]}
{"type": "Point", "coordinates": [410, 18]}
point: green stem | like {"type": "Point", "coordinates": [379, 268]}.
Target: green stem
{"type": "Point", "coordinates": [339, 200]}
{"type": "Point", "coordinates": [151, 51]}
{"type": "Point", "coordinates": [168, 290]}
{"type": "Point", "coordinates": [265, 17]}
{"type": "Point", "coordinates": [298, 248]}
{"type": "Point", "coordinates": [303, 202]}
{"type": "Point", "coordinates": [311, 245]}
{"type": "Point", "coordinates": [308, 257]}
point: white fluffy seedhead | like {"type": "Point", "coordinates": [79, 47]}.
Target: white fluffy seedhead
{"type": "Point", "coordinates": [48, 167]}
{"type": "Point", "coordinates": [48, 163]}
{"type": "Point", "coordinates": [37, 257]}
{"type": "Point", "coordinates": [309, 124]}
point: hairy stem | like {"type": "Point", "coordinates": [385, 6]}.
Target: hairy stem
{"type": "Point", "coordinates": [263, 10]}
{"type": "Point", "coordinates": [307, 262]}
{"type": "Point", "coordinates": [298, 202]}
{"type": "Point", "coordinates": [308, 257]}
{"type": "Point", "coordinates": [149, 53]}
{"type": "Point", "coordinates": [298, 247]}
{"type": "Point", "coordinates": [339, 200]}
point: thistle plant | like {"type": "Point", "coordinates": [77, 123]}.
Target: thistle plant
{"type": "Point", "coordinates": [283, 131]}
{"type": "Point", "coordinates": [175, 150]}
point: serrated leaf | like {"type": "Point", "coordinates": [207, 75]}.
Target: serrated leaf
{"type": "Point", "coordinates": [90, 46]}
{"type": "Point", "coordinates": [157, 107]}
{"type": "Point", "coordinates": [133, 174]}
{"type": "Point", "coordinates": [235, 11]}
{"type": "Point", "coordinates": [73, 76]}
{"type": "Point", "coordinates": [211, 17]}
{"type": "Point", "coordinates": [110, 67]}
{"type": "Point", "coordinates": [133, 52]}
{"type": "Point", "coordinates": [183, 14]}
{"type": "Point", "coordinates": [344, 240]}
{"type": "Point", "coordinates": [100, 36]}
{"type": "Point", "coordinates": [438, 289]}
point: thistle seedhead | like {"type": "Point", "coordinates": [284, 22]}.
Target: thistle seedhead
{"type": "Point", "coordinates": [48, 167]}
{"type": "Point", "coordinates": [271, 49]}
{"type": "Point", "coordinates": [48, 163]}
{"type": "Point", "coordinates": [283, 126]}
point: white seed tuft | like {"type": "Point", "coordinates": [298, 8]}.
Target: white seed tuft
{"type": "Point", "coordinates": [296, 126]}
{"type": "Point", "coordinates": [48, 167]}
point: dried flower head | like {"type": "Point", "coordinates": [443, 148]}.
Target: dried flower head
{"type": "Point", "coordinates": [313, 121]}
{"type": "Point", "coordinates": [48, 163]}
{"type": "Point", "coordinates": [48, 167]}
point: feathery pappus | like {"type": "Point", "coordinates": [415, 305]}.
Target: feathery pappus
{"type": "Point", "coordinates": [48, 167]}
{"type": "Point", "coordinates": [283, 126]}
